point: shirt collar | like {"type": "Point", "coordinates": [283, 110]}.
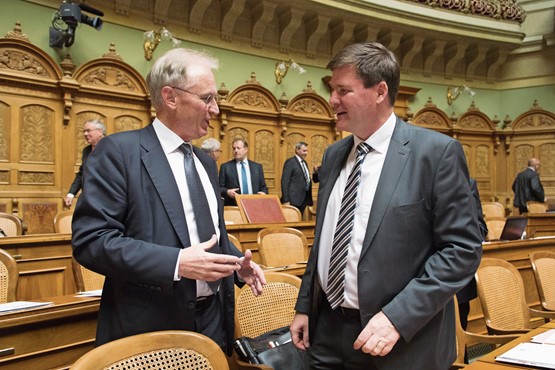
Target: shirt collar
{"type": "Point", "coordinates": [379, 140]}
{"type": "Point", "coordinates": [169, 140]}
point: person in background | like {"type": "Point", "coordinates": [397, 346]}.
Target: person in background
{"type": "Point", "coordinates": [296, 186]}
{"type": "Point", "coordinates": [93, 130]}
{"type": "Point", "coordinates": [212, 147]}
{"type": "Point", "coordinates": [396, 231]}
{"type": "Point", "coordinates": [528, 187]}
{"type": "Point", "coordinates": [150, 217]}
{"type": "Point", "coordinates": [241, 175]}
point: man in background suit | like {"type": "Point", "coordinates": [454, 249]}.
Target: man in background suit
{"type": "Point", "coordinates": [93, 130]}
{"type": "Point", "coordinates": [528, 187]}
{"type": "Point", "coordinates": [138, 222]}
{"type": "Point", "coordinates": [240, 175]}
{"type": "Point", "coordinates": [296, 186]}
{"type": "Point", "coordinates": [414, 241]}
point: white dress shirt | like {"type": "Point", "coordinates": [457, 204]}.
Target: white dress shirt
{"type": "Point", "coordinates": [170, 144]}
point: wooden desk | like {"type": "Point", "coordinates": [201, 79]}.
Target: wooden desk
{"type": "Point", "coordinates": [488, 361]}
{"type": "Point", "coordinates": [296, 269]}
{"type": "Point", "coordinates": [540, 224]}
{"type": "Point", "coordinates": [48, 337]}
{"type": "Point", "coordinates": [44, 265]}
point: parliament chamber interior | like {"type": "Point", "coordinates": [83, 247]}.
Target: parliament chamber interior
{"type": "Point", "coordinates": [481, 72]}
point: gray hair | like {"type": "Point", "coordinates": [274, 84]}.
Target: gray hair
{"type": "Point", "coordinates": [210, 145]}
{"type": "Point", "coordinates": [176, 67]}
{"type": "Point", "coordinates": [98, 124]}
{"type": "Point", "coordinates": [374, 63]}
{"type": "Point", "coordinates": [300, 144]}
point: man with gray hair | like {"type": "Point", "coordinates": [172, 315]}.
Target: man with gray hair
{"type": "Point", "coordinates": [212, 147]}
{"type": "Point", "coordinates": [151, 219]}
{"type": "Point", "coordinates": [93, 130]}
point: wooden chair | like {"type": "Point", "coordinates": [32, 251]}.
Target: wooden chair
{"type": "Point", "coordinates": [62, 222]}
{"type": "Point", "coordinates": [232, 215]}
{"type": "Point", "coordinates": [85, 279]}
{"type": "Point", "coordinates": [466, 339]}
{"type": "Point", "coordinates": [495, 227]}
{"type": "Point", "coordinates": [291, 213]}
{"type": "Point", "coordinates": [543, 265]}
{"type": "Point", "coordinates": [156, 350]}
{"type": "Point", "coordinates": [501, 292]}
{"type": "Point", "coordinates": [282, 246]}
{"type": "Point", "coordinates": [8, 277]}
{"type": "Point", "coordinates": [312, 211]}
{"type": "Point", "coordinates": [235, 242]}
{"type": "Point", "coordinates": [10, 224]}
{"type": "Point", "coordinates": [492, 210]}
{"type": "Point", "coordinates": [272, 310]}
{"type": "Point", "coordinates": [536, 207]}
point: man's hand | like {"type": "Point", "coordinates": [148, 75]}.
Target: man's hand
{"type": "Point", "coordinates": [378, 337]}
{"type": "Point", "coordinates": [232, 192]}
{"type": "Point", "coordinates": [68, 200]}
{"type": "Point", "coordinates": [299, 331]}
{"type": "Point", "coordinates": [198, 264]}
{"type": "Point", "coordinates": [252, 274]}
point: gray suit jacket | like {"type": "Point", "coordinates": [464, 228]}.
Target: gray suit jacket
{"type": "Point", "coordinates": [129, 225]}
{"type": "Point", "coordinates": [422, 245]}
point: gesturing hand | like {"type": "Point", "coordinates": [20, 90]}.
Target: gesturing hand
{"type": "Point", "coordinates": [252, 274]}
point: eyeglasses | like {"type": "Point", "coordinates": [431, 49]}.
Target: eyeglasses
{"type": "Point", "coordinates": [207, 99]}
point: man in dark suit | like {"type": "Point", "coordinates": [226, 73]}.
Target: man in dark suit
{"type": "Point", "coordinates": [240, 175]}
{"type": "Point", "coordinates": [138, 221]}
{"type": "Point", "coordinates": [528, 187]}
{"type": "Point", "coordinates": [412, 244]}
{"type": "Point", "coordinates": [93, 130]}
{"type": "Point", "coordinates": [296, 186]}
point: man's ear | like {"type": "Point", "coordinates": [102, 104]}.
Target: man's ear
{"type": "Point", "coordinates": [168, 96]}
{"type": "Point", "coordinates": [382, 91]}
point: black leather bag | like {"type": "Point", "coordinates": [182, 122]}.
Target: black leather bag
{"type": "Point", "coordinates": [274, 349]}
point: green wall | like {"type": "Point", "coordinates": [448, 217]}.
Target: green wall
{"type": "Point", "coordinates": [236, 67]}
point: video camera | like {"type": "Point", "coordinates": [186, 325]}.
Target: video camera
{"type": "Point", "coordinates": [66, 19]}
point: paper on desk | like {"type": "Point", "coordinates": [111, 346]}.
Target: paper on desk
{"type": "Point", "coordinates": [21, 305]}
{"type": "Point", "coordinates": [547, 337]}
{"type": "Point", "coordinates": [531, 354]}
{"type": "Point", "coordinates": [91, 293]}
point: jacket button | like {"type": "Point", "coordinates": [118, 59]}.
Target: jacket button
{"type": "Point", "coordinates": [191, 305]}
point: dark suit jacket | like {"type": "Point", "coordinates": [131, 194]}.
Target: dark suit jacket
{"type": "Point", "coordinates": [129, 225]}
{"type": "Point", "coordinates": [230, 180]}
{"type": "Point", "coordinates": [422, 245]}
{"type": "Point", "coordinates": [527, 187]}
{"type": "Point", "coordinates": [77, 183]}
{"type": "Point", "coordinates": [293, 184]}
{"type": "Point", "coordinates": [469, 292]}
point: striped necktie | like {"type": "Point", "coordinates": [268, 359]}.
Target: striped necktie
{"type": "Point", "coordinates": [343, 229]}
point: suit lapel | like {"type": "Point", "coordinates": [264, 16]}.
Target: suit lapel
{"type": "Point", "coordinates": [396, 158]}
{"type": "Point", "coordinates": [158, 168]}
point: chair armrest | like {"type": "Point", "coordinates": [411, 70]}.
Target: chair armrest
{"type": "Point", "coordinates": [498, 331]}
{"type": "Point", "coordinates": [473, 338]}
{"type": "Point", "coordinates": [544, 314]}
{"type": "Point", "coordinates": [457, 366]}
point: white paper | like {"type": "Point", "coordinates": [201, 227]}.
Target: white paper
{"type": "Point", "coordinates": [547, 337]}
{"type": "Point", "coordinates": [21, 305]}
{"type": "Point", "coordinates": [91, 293]}
{"type": "Point", "coordinates": [532, 354]}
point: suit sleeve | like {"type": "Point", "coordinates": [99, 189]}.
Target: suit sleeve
{"type": "Point", "coordinates": [537, 188]}
{"type": "Point", "coordinates": [261, 180]}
